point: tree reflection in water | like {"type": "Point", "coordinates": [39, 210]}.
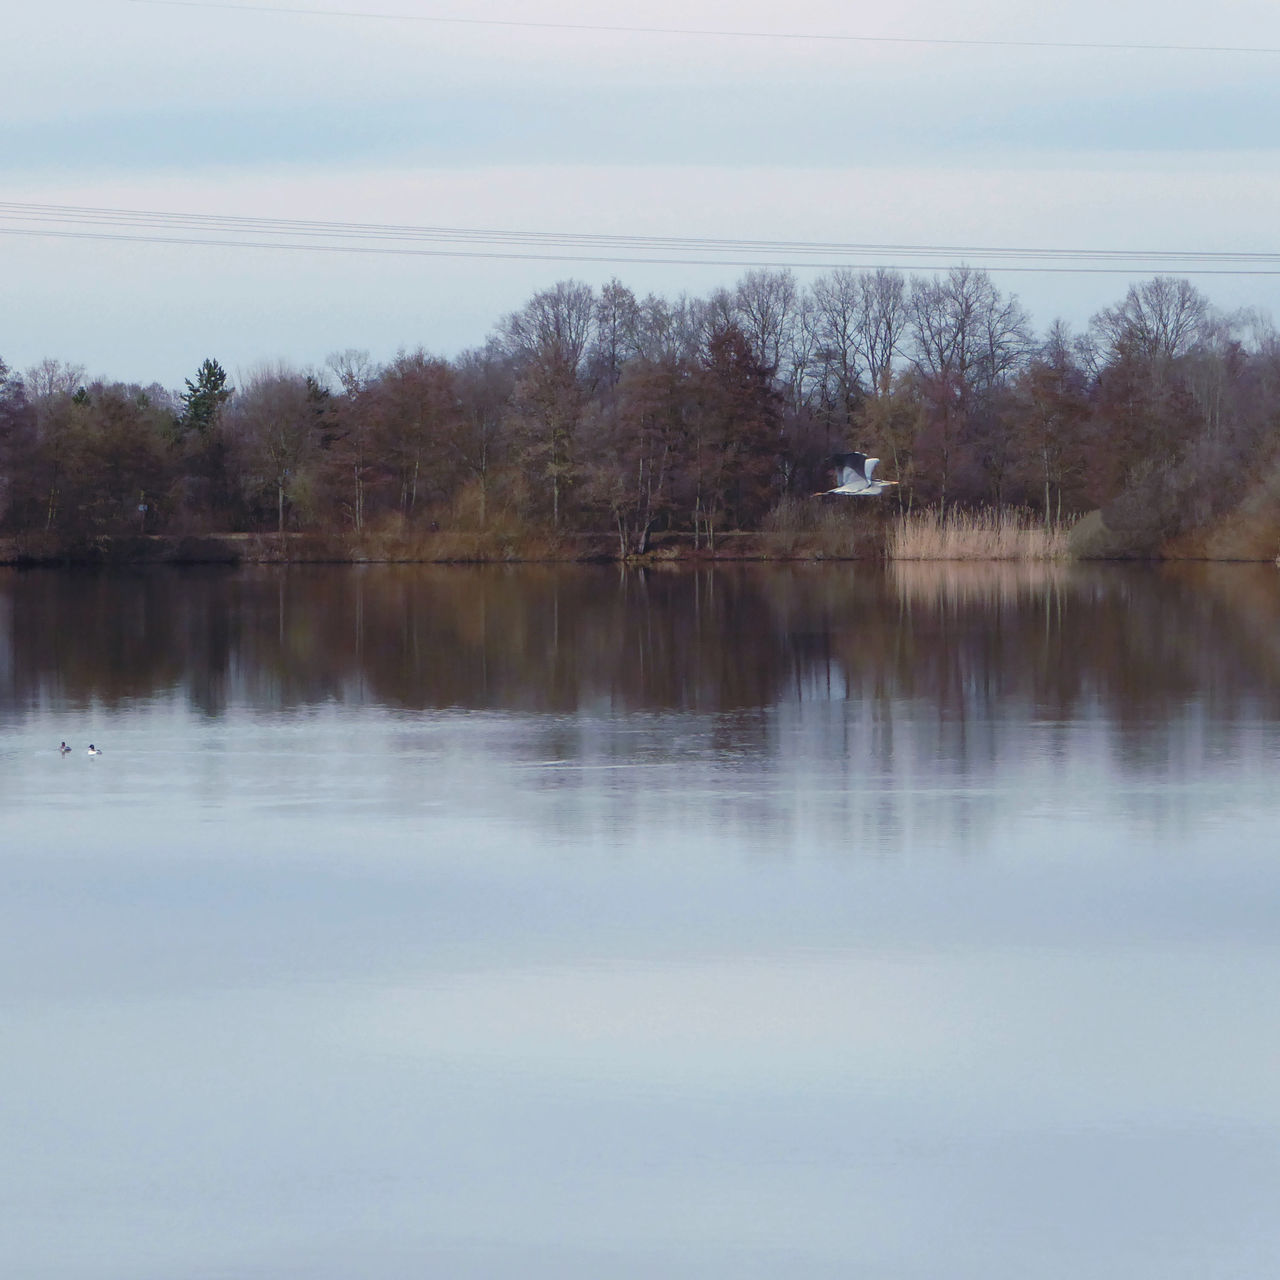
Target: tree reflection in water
{"type": "Point", "coordinates": [960, 640]}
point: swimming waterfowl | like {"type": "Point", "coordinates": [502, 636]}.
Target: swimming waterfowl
{"type": "Point", "coordinates": [66, 750]}
{"type": "Point", "coordinates": [93, 751]}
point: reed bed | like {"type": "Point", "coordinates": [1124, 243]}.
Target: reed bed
{"type": "Point", "coordinates": [1006, 534]}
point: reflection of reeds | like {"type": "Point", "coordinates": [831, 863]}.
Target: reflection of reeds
{"type": "Point", "coordinates": [934, 583]}
{"type": "Point", "coordinates": [981, 535]}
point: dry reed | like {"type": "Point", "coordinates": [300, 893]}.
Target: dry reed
{"type": "Point", "coordinates": [975, 535]}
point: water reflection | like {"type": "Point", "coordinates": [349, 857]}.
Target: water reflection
{"type": "Point", "coordinates": [962, 641]}
{"type": "Point", "coordinates": [569, 922]}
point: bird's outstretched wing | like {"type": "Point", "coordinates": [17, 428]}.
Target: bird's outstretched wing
{"type": "Point", "coordinates": [849, 467]}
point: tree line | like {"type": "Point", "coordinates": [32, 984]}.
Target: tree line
{"type": "Point", "coordinates": [594, 409]}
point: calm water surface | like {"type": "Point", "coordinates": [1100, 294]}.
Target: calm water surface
{"type": "Point", "coordinates": [814, 922]}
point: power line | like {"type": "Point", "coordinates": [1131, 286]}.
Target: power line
{"type": "Point", "coordinates": [716, 32]}
{"type": "Point", "coordinates": [583, 257]}
{"type": "Point", "coordinates": [229, 224]}
{"type": "Point", "coordinates": [86, 222]}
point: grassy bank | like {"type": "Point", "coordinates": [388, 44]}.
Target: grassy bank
{"type": "Point", "coordinates": [797, 529]}
{"type": "Point", "coordinates": [301, 548]}
{"type": "Point", "coordinates": [443, 547]}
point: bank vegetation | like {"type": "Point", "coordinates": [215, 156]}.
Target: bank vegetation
{"type": "Point", "coordinates": [596, 423]}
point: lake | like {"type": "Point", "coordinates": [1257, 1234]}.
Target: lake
{"type": "Point", "coordinates": [814, 921]}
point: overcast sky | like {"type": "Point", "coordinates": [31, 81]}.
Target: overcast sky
{"type": "Point", "coordinates": [116, 103]}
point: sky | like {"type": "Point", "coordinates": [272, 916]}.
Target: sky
{"type": "Point", "coordinates": [364, 117]}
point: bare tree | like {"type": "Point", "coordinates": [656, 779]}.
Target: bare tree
{"type": "Point", "coordinates": [837, 301]}
{"type": "Point", "coordinates": [668, 331]}
{"type": "Point", "coordinates": [962, 327]}
{"type": "Point", "coordinates": [548, 338]}
{"type": "Point", "coordinates": [418, 421]}
{"type": "Point", "coordinates": [1159, 320]}
{"type": "Point", "coordinates": [1053, 407]}
{"type": "Point", "coordinates": [352, 448]}
{"type": "Point", "coordinates": [801, 377]}
{"type": "Point", "coordinates": [733, 437]}
{"type": "Point", "coordinates": [616, 334]}
{"type": "Point", "coordinates": [765, 303]}
{"type": "Point", "coordinates": [52, 378]}
{"type": "Point", "coordinates": [966, 340]}
{"type": "Point", "coordinates": [19, 490]}
{"type": "Point", "coordinates": [275, 421]}
{"type": "Point", "coordinates": [891, 422]}
{"type": "Point", "coordinates": [711, 316]}
{"type": "Point", "coordinates": [50, 386]}
{"type": "Point", "coordinates": [485, 384]}
{"type": "Point", "coordinates": [882, 324]}
{"type": "Point", "coordinates": [615, 342]}
{"type": "Point", "coordinates": [354, 369]}
{"type": "Point", "coordinates": [636, 453]}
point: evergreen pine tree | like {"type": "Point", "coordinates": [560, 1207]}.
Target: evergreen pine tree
{"type": "Point", "coordinates": [204, 397]}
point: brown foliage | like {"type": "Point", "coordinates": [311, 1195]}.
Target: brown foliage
{"type": "Point", "coordinates": [593, 411]}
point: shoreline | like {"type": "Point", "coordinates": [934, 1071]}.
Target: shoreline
{"type": "Point", "coordinates": [34, 551]}
{"type": "Point", "coordinates": [454, 548]}
{"type": "Point", "coordinates": [1005, 535]}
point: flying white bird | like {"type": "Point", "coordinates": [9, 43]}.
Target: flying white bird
{"type": "Point", "coordinates": [855, 471]}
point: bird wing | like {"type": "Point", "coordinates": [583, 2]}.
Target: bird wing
{"type": "Point", "coordinates": [849, 467]}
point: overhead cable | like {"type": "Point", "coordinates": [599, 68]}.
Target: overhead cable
{"type": "Point", "coordinates": [86, 222]}
{"type": "Point", "coordinates": [714, 32]}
